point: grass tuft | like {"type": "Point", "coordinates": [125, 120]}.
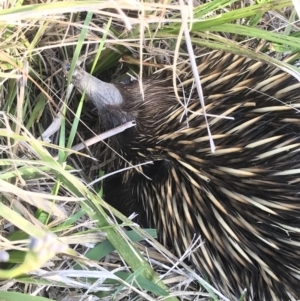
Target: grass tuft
{"type": "Point", "coordinates": [48, 172]}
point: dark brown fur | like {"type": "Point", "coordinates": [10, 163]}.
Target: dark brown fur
{"type": "Point", "coordinates": [242, 199]}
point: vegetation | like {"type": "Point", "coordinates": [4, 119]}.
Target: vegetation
{"type": "Point", "coordinates": [48, 186]}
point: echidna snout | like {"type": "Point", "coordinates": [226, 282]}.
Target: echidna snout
{"type": "Point", "coordinates": [243, 200]}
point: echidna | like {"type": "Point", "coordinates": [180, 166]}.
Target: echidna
{"type": "Point", "coordinates": [243, 200]}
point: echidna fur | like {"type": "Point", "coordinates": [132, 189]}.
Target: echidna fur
{"type": "Point", "coordinates": [243, 200]}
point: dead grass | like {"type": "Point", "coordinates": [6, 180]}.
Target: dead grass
{"type": "Point", "coordinates": [45, 187]}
